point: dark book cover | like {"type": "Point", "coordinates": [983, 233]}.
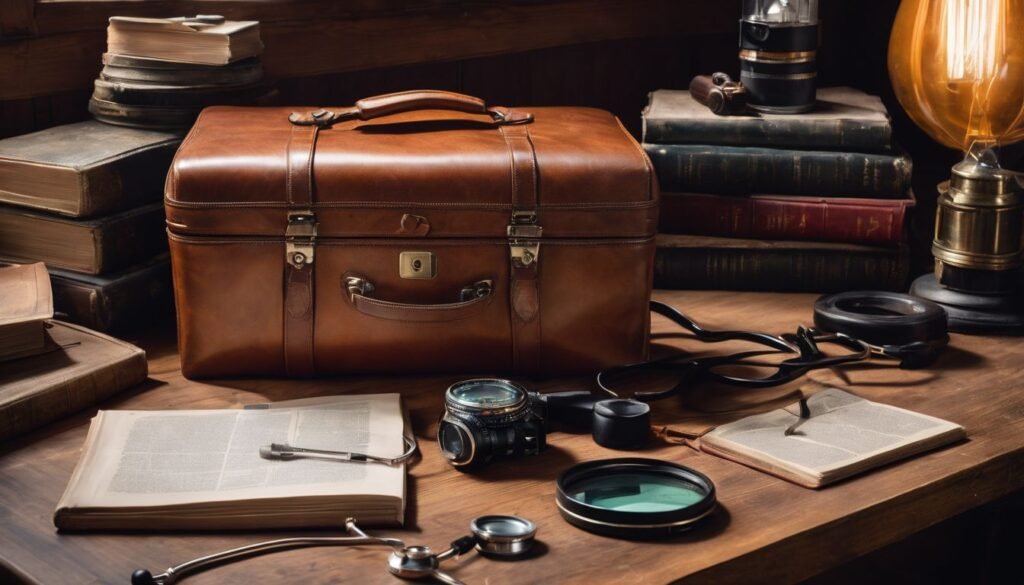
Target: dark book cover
{"type": "Point", "coordinates": [85, 169]}
{"type": "Point", "coordinates": [782, 217]}
{"type": "Point", "coordinates": [139, 295]}
{"type": "Point", "coordinates": [94, 246]}
{"type": "Point", "coordinates": [702, 262]}
{"type": "Point", "coordinates": [844, 119]}
{"type": "Point", "coordinates": [733, 170]}
{"type": "Point", "coordinates": [88, 368]}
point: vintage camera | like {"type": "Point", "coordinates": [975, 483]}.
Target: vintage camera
{"type": "Point", "coordinates": [778, 54]}
{"type": "Point", "coordinates": [487, 419]}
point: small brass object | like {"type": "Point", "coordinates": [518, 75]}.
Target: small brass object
{"type": "Point", "coordinates": [524, 238]}
{"type": "Point", "coordinates": [417, 265]}
{"type": "Point", "coordinates": [300, 238]}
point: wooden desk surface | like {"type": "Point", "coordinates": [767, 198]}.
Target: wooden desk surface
{"type": "Point", "coordinates": [767, 530]}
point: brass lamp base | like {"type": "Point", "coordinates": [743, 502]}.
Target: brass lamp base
{"type": "Point", "coordinates": [978, 247]}
{"type": "Point", "coordinates": [970, 312]}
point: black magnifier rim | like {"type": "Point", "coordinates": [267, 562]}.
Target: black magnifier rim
{"type": "Point", "coordinates": [626, 524]}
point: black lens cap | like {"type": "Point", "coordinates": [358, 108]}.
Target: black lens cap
{"type": "Point", "coordinates": [622, 424]}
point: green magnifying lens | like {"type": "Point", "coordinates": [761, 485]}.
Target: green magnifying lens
{"type": "Point", "coordinates": [634, 497]}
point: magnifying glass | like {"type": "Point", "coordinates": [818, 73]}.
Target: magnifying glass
{"type": "Point", "coordinates": [505, 536]}
{"type": "Point", "coordinates": [634, 497]}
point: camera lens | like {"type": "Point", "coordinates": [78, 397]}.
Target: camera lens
{"type": "Point", "coordinates": [456, 444]}
{"type": "Point", "coordinates": [485, 419]}
{"type": "Point", "coordinates": [487, 394]}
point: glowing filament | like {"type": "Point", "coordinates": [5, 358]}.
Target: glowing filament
{"type": "Point", "coordinates": [975, 39]}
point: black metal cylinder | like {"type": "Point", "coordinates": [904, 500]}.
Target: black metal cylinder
{"type": "Point", "coordinates": [778, 65]}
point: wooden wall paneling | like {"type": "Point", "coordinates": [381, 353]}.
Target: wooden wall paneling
{"type": "Point", "coordinates": [345, 88]}
{"type": "Point", "coordinates": [310, 45]}
{"type": "Point", "coordinates": [563, 76]}
{"type": "Point", "coordinates": [49, 65]}
{"type": "Point", "coordinates": [17, 117]}
{"type": "Point", "coordinates": [42, 113]}
{"type": "Point", "coordinates": [501, 79]}
{"type": "Point", "coordinates": [61, 16]}
{"type": "Point", "coordinates": [17, 18]}
{"type": "Point", "coordinates": [70, 106]}
{"type": "Point", "coordinates": [716, 52]}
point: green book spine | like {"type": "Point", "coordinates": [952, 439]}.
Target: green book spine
{"type": "Point", "coordinates": [729, 170]}
{"type": "Point", "coordinates": [702, 263]}
{"type": "Point", "coordinates": [797, 133]}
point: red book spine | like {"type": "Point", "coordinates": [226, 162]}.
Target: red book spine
{"type": "Point", "coordinates": [780, 217]}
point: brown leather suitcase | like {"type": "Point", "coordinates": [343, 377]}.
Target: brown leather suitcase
{"type": "Point", "coordinates": [414, 232]}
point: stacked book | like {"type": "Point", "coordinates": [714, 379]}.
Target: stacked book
{"type": "Point", "coordinates": [48, 368]}
{"type": "Point", "coordinates": [816, 202]}
{"type": "Point", "coordinates": [85, 199]}
{"type": "Point", "coordinates": [160, 72]}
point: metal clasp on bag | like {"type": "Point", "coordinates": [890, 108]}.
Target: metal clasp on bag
{"type": "Point", "coordinates": [524, 238]}
{"type": "Point", "coordinates": [300, 237]}
{"type": "Point", "coordinates": [477, 290]}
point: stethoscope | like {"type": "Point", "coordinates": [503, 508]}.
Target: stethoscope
{"type": "Point", "coordinates": [504, 536]}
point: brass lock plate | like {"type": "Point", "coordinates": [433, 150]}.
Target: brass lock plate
{"type": "Point", "coordinates": [417, 265]}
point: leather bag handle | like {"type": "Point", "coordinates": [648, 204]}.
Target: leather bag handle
{"type": "Point", "coordinates": [473, 298]}
{"type": "Point", "coordinates": [410, 101]}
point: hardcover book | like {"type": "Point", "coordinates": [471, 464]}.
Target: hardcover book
{"type": "Point", "coordinates": [85, 169]}
{"type": "Point", "coordinates": [781, 217]}
{"type": "Point", "coordinates": [844, 119]}
{"type": "Point", "coordinates": [735, 170]}
{"type": "Point", "coordinates": [88, 368]}
{"type": "Point", "coordinates": [845, 435]}
{"type": "Point", "coordinates": [127, 476]}
{"type": "Point", "coordinates": [92, 246]}
{"type": "Point", "coordinates": [703, 262]}
{"type": "Point", "coordinates": [208, 42]}
{"type": "Point", "coordinates": [127, 299]}
{"type": "Point", "coordinates": [26, 302]}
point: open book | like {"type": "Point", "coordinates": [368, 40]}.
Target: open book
{"type": "Point", "coordinates": [202, 470]}
{"type": "Point", "coordinates": [844, 435]}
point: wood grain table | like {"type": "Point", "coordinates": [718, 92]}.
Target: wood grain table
{"type": "Point", "coordinates": [766, 530]}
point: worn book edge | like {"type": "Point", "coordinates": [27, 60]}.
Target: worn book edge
{"type": "Point", "coordinates": [719, 445]}
{"type": "Point", "coordinates": [240, 510]}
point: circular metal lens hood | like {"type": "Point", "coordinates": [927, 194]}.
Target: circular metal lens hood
{"type": "Point", "coordinates": [623, 523]}
{"type": "Point", "coordinates": [455, 402]}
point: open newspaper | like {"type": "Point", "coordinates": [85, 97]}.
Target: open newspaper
{"type": "Point", "coordinates": [201, 469]}
{"type": "Point", "coordinates": [844, 435]}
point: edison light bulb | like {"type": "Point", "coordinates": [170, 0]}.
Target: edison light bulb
{"type": "Point", "coordinates": [957, 67]}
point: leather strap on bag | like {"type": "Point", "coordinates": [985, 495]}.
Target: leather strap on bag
{"type": "Point", "coordinates": [299, 299]}
{"type": "Point", "coordinates": [524, 235]}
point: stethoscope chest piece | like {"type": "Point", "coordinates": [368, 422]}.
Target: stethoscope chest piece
{"type": "Point", "coordinates": [503, 536]}
{"type": "Point", "coordinates": [413, 562]}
